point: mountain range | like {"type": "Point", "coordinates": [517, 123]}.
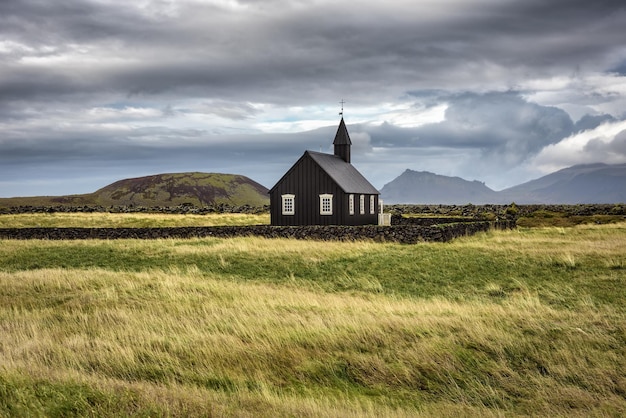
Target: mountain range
{"type": "Point", "coordinates": [590, 183]}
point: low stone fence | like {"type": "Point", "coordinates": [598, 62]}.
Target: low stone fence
{"type": "Point", "coordinates": [179, 210]}
{"type": "Point", "coordinates": [427, 221]}
{"type": "Point", "coordinates": [406, 234]}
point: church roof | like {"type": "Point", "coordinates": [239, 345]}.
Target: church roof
{"type": "Point", "coordinates": [344, 174]}
{"type": "Point", "coordinates": [342, 137]}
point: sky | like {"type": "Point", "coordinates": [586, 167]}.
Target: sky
{"type": "Point", "coordinates": [500, 91]}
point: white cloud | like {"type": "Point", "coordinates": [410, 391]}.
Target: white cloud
{"type": "Point", "coordinates": [601, 144]}
{"type": "Point", "coordinates": [594, 93]}
{"type": "Point", "coordinates": [411, 117]}
{"type": "Point", "coordinates": [126, 113]}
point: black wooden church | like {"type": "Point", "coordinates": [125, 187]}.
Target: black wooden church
{"type": "Point", "coordinates": [324, 189]}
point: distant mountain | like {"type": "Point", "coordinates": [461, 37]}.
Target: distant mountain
{"type": "Point", "coordinates": [589, 183]}
{"type": "Point", "coordinates": [198, 189]}
{"type": "Point", "coordinates": [423, 187]}
{"type": "Point", "coordinates": [592, 183]}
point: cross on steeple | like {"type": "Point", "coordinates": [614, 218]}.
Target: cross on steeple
{"type": "Point", "coordinates": [342, 102]}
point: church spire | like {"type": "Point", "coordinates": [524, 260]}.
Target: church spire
{"type": "Point", "coordinates": [342, 142]}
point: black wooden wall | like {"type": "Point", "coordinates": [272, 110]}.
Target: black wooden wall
{"type": "Point", "coordinates": [306, 180]}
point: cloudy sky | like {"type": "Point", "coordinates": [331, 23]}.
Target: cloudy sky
{"type": "Point", "coordinates": [501, 91]}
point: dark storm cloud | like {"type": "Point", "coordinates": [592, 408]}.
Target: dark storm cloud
{"type": "Point", "coordinates": [263, 52]}
{"type": "Point", "coordinates": [107, 158]}
{"type": "Point", "coordinates": [620, 68]}
{"type": "Point", "coordinates": [40, 23]}
{"type": "Point", "coordinates": [156, 147]}
{"type": "Point", "coordinates": [147, 144]}
{"type": "Point", "coordinates": [606, 150]}
{"type": "Point", "coordinates": [497, 124]}
{"type": "Point", "coordinates": [588, 122]}
{"type": "Point", "coordinates": [157, 84]}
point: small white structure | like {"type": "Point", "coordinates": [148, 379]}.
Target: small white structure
{"type": "Point", "coordinates": [383, 218]}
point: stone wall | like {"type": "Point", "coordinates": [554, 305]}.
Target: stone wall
{"type": "Point", "coordinates": [406, 234]}
{"type": "Point", "coordinates": [477, 212]}
{"type": "Point", "coordinates": [504, 211]}
{"type": "Point", "coordinates": [180, 209]}
{"type": "Point", "coordinates": [427, 221]}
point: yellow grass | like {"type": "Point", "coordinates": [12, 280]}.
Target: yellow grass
{"type": "Point", "coordinates": [127, 220]}
{"type": "Point", "coordinates": [554, 244]}
{"type": "Point", "coordinates": [195, 339]}
{"type": "Point", "coordinates": [188, 331]}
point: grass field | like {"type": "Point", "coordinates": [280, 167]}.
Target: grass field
{"type": "Point", "coordinates": [507, 323]}
{"type": "Point", "coordinates": [127, 220]}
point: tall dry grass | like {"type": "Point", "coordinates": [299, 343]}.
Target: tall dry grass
{"type": "Point", "coordinates": [254, 327]}
{"type": "Point", "coordinates": [284, 347]}
{"type": "Point", "coordinates": [127, 220]}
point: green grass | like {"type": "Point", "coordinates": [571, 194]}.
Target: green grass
{"type": "Point", "coordinates": [547, 218]}
{"type": "Point", "coordinates": [507, 323]}
{"type": "Point", "coordinates": [161, 190]}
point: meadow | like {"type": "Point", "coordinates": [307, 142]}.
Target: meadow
{"type": "Point", "coordinates": [127, 220]}
{"type": "Point", "coordinates": [523, 322]}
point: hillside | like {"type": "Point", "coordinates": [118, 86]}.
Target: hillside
{"type": "Point", "coordinates": [198, 189]}
{"type": "Point", "coordinates": [423, 187]}
{"type": "Point", "coordinates": [591, 183]}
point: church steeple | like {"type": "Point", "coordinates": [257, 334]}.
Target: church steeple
{"type": "Point", "coordinates": [342, 142]}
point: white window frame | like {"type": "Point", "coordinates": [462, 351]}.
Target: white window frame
{"type": "Point", "coordinates": [362, 204]}
{"type": "Point", "coordinates": [372, 202]}
{"type": "Point", "coordinates": [286, 198]}
{"type": "Point", "coordinates": [326, 204]}
{"type": "Point", "coordinates": [351, 204]}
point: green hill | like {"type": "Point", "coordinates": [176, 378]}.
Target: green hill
{"type": "Point", "coordinates": [198, 189]}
